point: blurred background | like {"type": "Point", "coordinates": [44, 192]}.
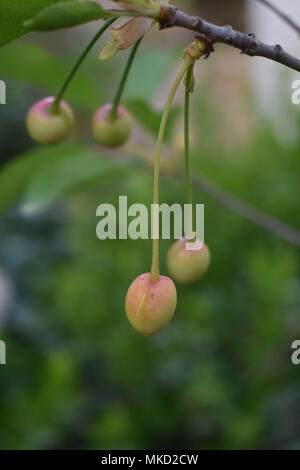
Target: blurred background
{"type": "Point", "coordinates": [220, 375]}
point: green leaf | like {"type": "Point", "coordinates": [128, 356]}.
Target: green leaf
{"type": "Point", "coordinates": [13, 13]}
{"type": "Point", "coordinates": [71, 171]}
{"type": "Point", "coordinates": [150, 119]}
{"type": "Point", "coordinates": [45, 175]}
{"type": "Point", "coordinates": [66, 15]}
{"type": "Point", "coordinates": [15, 175]}
{"type": "Point", "coordinates": [31, 58]}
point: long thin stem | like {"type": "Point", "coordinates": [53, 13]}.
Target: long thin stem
{"type": "Point", "coordinates": [189, 193]}
{"type": "Point", "coordinates": [142, 4]}
{"type": "Point", "coordinates": [155, 253]}
{"type": "Point", "coordinates": [59, 96]}
{"type": "Point", "coordinates": [153, 13]}
{"type": "Point", "coordinates": [189, 76]}
{"type": "Point", "coordinates": [124, 78]}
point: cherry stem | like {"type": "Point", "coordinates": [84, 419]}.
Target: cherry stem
{"type": "Point", "coordinates": [155, 275]}
{"type": "Point", "coordinates": [189, 194]}
{"type": "Point", "coordinates": [59, 96]}
{"type": "Point", "coordinates": [134, 14]}
{"type": "Point", "coordinates": [114, 110]}
{"type": "Point", "coordinates": [145, 10]}
{"type": "Point", "coordinates": [141, 4]}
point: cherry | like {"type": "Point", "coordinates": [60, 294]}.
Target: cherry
{"type": "Point", "coordinates": [188, 265]}
{"type": "Point", "coordinates": [112, 131]}
{"type": "Point", "coordinates": [150, 305]}
{"type": "Point", "coordinates": [46, 126]}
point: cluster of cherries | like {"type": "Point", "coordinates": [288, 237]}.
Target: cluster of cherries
{"type": "Point", "coordinates": [49, 123]}
{"type": "Point", "coordinates": [150, 304]}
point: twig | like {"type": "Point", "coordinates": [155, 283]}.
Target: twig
{"type": "Point", "coordinates": [247, 43]}
{"type": "Point", "coordinates": [229, 201]}
{"type": "Point", "coordinates": [234, 204]}
{"type": "Point", "coordinates": [282, 15]}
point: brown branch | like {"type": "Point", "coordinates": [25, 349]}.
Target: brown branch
{"type": "Point", "coordinates": [247, 43]}
{"type": "Point", "coordinates": [227, 200]}
{"type": "Point", "coordinates": [282, 15]}
{"type": "Point", "coordinates": [234, 204]}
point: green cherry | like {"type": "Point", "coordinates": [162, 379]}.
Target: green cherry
{"type": "Point", "coordinates": [112, 130]}
{"type": "Point", "coordinates": [49, 127]}
{"type": "Point", "coordinates": [188, 265]}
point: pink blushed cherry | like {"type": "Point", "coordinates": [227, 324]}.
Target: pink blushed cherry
{"type": "Point", "coordinates": [112, 130]}
{"type": "Point", "coordinates": [49, 127]}
{"type": "Point", "coordinates": [150, 305]}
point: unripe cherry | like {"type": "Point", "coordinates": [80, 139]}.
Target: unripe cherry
{"type": "Point", "coordinates": [46, 126]}
{"type": "Point", "coordinates": [150, 305]}
{"type": "Point", "coordinates": [188, 265]}
{"type": "Point", "coordinates": [112, 131]}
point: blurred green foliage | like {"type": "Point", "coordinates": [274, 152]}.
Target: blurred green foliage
{"type": "Point", "coordinates": [13, 13]}
{"type": "Point", "coordinates": [77, 375]}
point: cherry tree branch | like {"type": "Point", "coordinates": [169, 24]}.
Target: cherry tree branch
{"type": "Point", "coordinates": [258, 217]}
{"type": "Point", "coordinates": [248, 44]}
{"type": "Point", "coordinates": [282, 15]}
{"type": "Point", "coordinates": [229, 201]}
